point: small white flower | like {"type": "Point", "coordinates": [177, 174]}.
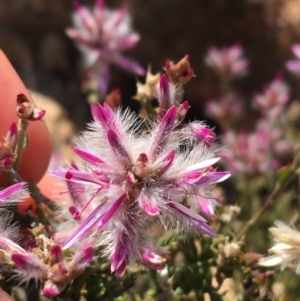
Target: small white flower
{"type": "Point", "coordinates": [286, 251]}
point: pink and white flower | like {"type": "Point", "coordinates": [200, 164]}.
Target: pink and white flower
{"type": "Point", "coordinates": [275, 96]}
{"type": "Point", "coordinates": [227, 108]}
{"type": "Point", "coordinates": [294, 65]}
{"type": "Point", "coordinates": [228, 62]}
{"type": "Point", "coordinates": [134, 180]}
{"type": "Point", "coordinates": [248, 153]}
{"type": "Point", "coordinates": [102, 35]}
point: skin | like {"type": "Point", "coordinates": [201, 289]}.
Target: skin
{"type": "Point", "coordinates": [36, 157]}
{"type": "Point", "coordinates": [4, 296]}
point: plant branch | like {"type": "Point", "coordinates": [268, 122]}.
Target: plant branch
{"type": "Point", "coordinates": [260, 213]}
{"type": "Point", "coordinates": [21, 145]}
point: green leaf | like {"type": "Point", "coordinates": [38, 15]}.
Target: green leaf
{"type": "Point", "coordinates": [25, 142]}
{"type": "Point", "coordinates": [285, 173]}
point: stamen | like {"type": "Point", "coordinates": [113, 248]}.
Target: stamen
{"type": "Point", "coordinates": [79, 190]}
{"type": "Point", "coordinates": [90, 200]}
{"type": "Point", "coordinates": [218, 198]}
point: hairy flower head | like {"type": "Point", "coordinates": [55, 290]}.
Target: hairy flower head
{"type": "Point", "coordinates": [228, 62]}
{"type": "Point", "coordinates": [271, 103]}
{"type": "Point", "coordinates": [135, 179]}
{"type": "Point", "coordinates": [102, 35]}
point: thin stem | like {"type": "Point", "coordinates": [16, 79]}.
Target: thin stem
{"type": "Point", "coordinates": [22, 136]}
{"type": "Point", "coordinates": [261, 212]}
{"type": "Point", "coordinates": [36, 194]}
{"type": "Point", "coordinates": [283, 180]}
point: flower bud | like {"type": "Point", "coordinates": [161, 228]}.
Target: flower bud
{"type": "Point", "coordinates": [140, 167]}
{"type": "Point", "coordinates": [60, 273]}
{"type": "Point", "coordinates": [50, 289]}
{"type": "Point", "coordinates": [113, 99]}
{"type": "Point", "coordinates": [26, 109]}
{"type": "Point", "coordinates": [81, 260]}
{"type": "Point", "coordinates": [180, 72]}
{"type": "Point", "coordinates": [56, 255]}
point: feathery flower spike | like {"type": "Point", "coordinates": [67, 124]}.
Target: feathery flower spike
{"type": "Point", "coordinates": [102, 35]}
{"type": "Point", "coordinates": [132, 179]}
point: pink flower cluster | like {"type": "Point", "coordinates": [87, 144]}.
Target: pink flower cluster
{"type": "Point", "coordinates": [248, 153]}
{"type": "Point", "coordinates": [137, 180]}
{"type": "Point", "coordinates": [226, 109]}
{"type": "Point", "coordinates": [294, 65]}
{"type": "Point", "coordinates": [260, 151]}
{"type": "Point", "coordinates": [227, 62]}
{"type": "Point", "coordinates": [47, 264]}
{"type": "Point", "coordinates": [102, 35]}
{"type": "Point", "coordinates": [274, 98]}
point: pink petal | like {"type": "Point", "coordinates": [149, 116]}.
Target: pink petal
{"type": "Point", "coordinates": [129, 65]}
{"type": "Point", "coordinates": [38, 114]}
{"type": "Point", "coordinates": [86, 19]}
{"type": "Point", "coordinates": [85, 227]}
{"type": "Point", "coordinates": [235, 52]}
{"type": "Point", "coordinates": [205, 228]}
{"type": "Point", "coordinates": [182, 109]}
{"type": "Point", "coordinates": [190, 177]}
{"type": "Point", "coordinates": [203, 164]}
{"type": "Point", "coordinates": [104, 115]}
{"type": "Point", "coordinates": [128, 42]}
{"type": "Point", "coordinates": [108, 214]}
{"type": "Point", "coordinates": [213, 177]}
{"type": "Point", "coordinates": [4, 193]}
{"type": "Point", "coordinates": [152, 257]}
{"type": "Point", "coordinates": [117, 17]}
{"type": "Point", "coordinates": [293, 65]}
{"type": "Point", "coordinates": [56, 255]}
{"type": "Point", "coordinates": [119, 254]}
{"type": "Point", "coordinates": [99, 113]}
{"type": "Point", "coordinates": [207, 134]}
{"type": "Point", "coordinates": [206, 205]}
{"type": "Point", "coordinates": [89, 157]}
{"type": "Point", "coordinates": [9, 245]}
{"type": "Point", "coordinates": [118, 148]}
{"type": "Point", "coordinates": [82, 258]}
{"type": "Point", "coordinates": [162, 133]}
{"type": "Point", "coordinates": [186, 211]}
{"type": "Point", "coordinates": [164, 98]}
{"type": "Point", "coordinates": [29, 263]}
{"type": "Point", "coordinates": [99, 4]}
{"type": "Point", "coordinates": [239, 67]}
{"type": "Point", "coordinates": [164, 163]}
{"type": "Point", "coordinates": [148, 204]}
{"type": "Point", "coordinates": [296, 49]}
{"type": "Point", "coordinates": [50, 289]}
{"type": "Point", "coordinates": [78, 37]}
{"type": "Point", "coordinates": [12, 134]}
{"type": "Point", "coordinates": [121, 269]}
